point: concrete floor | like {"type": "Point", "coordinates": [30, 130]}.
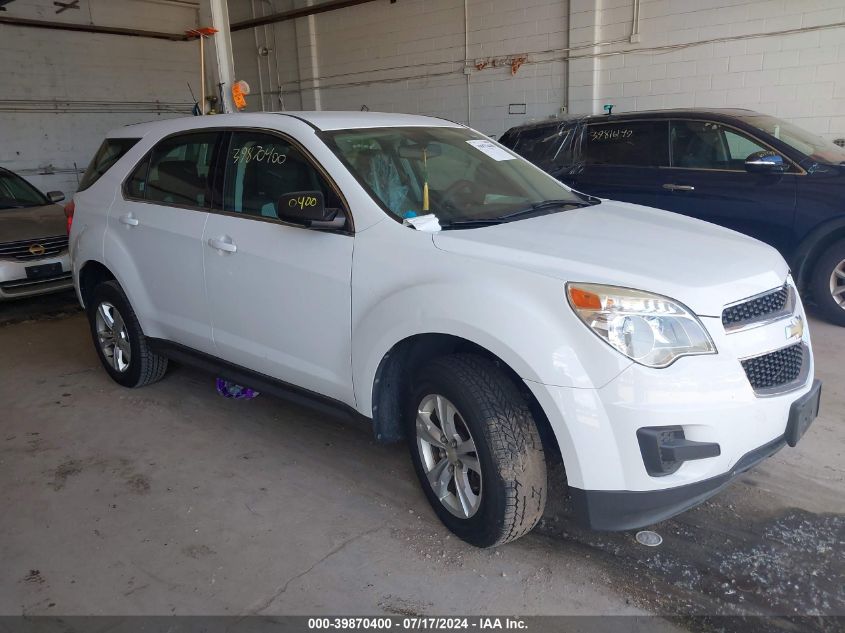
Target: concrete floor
{"type": "Point", "coordinates": [170, 499]}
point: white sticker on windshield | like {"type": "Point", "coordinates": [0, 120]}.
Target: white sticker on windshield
{"type": "Point", "coordinates": [492, 150]}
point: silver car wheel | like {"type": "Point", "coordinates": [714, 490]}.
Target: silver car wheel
{"type": "Point", "coordinates": [113, 337]}
{"type": "Point", "coordinates": [837, 284]}
{"type": "Point", "coordinates": [448, 455]}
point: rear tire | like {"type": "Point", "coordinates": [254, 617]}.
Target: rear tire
{"type": "Point", "coordinates": [119, 340]}
{"type": "Point", "coordinates": [828, 283]}
{"type": "Point", "coordinates": [495, 492]}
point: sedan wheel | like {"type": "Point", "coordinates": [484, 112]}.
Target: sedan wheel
{"type": "Point", "coordinates": [113, 337]}
{"type": "Point", "coordinates": [827, 283]}
{"type": "Point", "coordinates": [447, 452]}
{"type": "Point", "coordinates": [837, 284]}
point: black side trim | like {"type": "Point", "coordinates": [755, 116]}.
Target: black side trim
{"type": "Point", "coordinates": [258, 381]}
{"type": "Point", "coordinates": [617, 510]}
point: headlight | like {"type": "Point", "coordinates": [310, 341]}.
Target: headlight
{"type": "Point", "coordinates": [649, 329]}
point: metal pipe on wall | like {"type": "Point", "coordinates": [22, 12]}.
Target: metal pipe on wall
{"type": "Point", "coordinates": [467, 70]}
{"type": "Point", "coordinates": [258, 58]}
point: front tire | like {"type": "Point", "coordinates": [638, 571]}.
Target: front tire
{"type": "Point", "coordinates": [476, 450]}
{"type": "Point", "coordinates": [119, 340]}
{"type": "Point", "coordinates": [828, 283]}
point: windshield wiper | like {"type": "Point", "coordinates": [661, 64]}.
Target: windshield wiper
{"type": "Point", "coordinates": [508, 217]}
{"type": "Point", "coordinates": [542, 206]}
{"type": "Point", "coordinates": [471, 222]}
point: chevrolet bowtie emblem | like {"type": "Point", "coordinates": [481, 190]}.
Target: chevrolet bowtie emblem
{"type": "Point", "coordinates": [795, 329]}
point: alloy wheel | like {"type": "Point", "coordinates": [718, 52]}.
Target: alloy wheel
{"type": "Point", "coordinates": [837, 284]}
{"type": "Point", "coordinates": [113, 337]}
{"type": "Point", "coordinates": [448, 454]}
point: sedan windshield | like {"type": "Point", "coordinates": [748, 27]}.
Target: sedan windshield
{"type": "Point", "coordinates": [16, 193]}
{"type": "Point", "coordinates": [454, 173]}
{"type": "Point", "coordinates": [817, 148]}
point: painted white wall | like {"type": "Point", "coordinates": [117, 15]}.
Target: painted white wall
{"type": "Point", "coordinates": [61, 91]}
{"type": "Point", "coordinates": [409, 57]}
{"type": "Point", "coordinates": [799, 77]}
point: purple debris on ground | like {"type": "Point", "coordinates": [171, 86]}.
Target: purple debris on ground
{"type": "Point", "coordinates": [229, 389]}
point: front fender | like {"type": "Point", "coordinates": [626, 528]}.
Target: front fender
{"type": "Point", "coordinates": [521, 318]}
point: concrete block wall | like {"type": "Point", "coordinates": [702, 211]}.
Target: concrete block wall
{"type": "Point", "coordinates": [60, 91]}
{"type": "Point", "coordinates": [409, 57]}
{"type": "Point", "coordinates": [799, 77]}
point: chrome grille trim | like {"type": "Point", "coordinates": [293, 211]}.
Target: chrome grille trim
{"type": "Point", "coordinates": [19, 250]}
{"type": "Point", "coordinates": [762, 309]}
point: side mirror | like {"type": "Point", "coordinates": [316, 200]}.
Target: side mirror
{"type": "Point", "coordinates": [55, 196]}
{"type": "Point", "coordinates": [308, 208]}
{"type": "Point", "coordinates": [765, 162]}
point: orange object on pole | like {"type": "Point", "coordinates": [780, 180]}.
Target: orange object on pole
{"type": "Point", "coordinates": [239, 91]}
{"type": "Point", "coordinates": [201, 33]}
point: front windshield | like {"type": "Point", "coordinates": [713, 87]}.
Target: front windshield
{"type": "Point", "coordinates": [17, 193]}
{"type": "Point", "coordinates": [817, 148]}
{"type": "Point", "coordinates": [453, 173]}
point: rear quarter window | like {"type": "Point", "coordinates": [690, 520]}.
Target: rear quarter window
{"type": "Point", "coordinates": [547, 147]}
{"type": "Point", "coordinates": [109, 153]}
{"type": "Point", "coordinates": [628, 143]}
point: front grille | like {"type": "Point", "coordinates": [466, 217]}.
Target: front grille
{"type": "Point", "coordinates": [26, 250]}
{"type": "Point", "coordinates": [775, 369]}
{"type": "Point", "coordinates": [756, 308]}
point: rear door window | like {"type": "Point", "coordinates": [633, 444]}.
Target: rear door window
{"type": "Point", "coordinates": [111, 151]}
{"type": "Point", "coordinates": [180, 171]}
{"type": "Point", "coordinates": [626, 143]}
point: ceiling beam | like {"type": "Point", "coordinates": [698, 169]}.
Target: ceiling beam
{"type": "Point", "coordinates": [292, 14]}
{"type": "Point", "coordinates": [90, 28]}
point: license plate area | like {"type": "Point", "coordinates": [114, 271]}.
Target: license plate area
{"type": "Point", "coordinates": [43, 270]}
{"type": "Point", "coordinates": [802, 413]}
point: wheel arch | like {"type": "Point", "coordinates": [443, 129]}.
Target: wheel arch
{"type": "Point", "coordinates": [91, 274]}
{"type": "Point", "coordinates": [811, 248]}
{"type": "Point", "coordinates": [400, 364]}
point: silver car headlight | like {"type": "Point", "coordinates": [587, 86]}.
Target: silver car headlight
{"type": "Point", "coordinates": [650, 329]}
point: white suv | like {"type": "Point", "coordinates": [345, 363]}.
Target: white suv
{"type": "Point", "coordinates": [412, 271]}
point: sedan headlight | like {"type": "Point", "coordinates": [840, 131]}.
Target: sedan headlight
{"type": "Point", "coordinates": [649, 329]}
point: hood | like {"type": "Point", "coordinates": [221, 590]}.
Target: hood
{"type": "Point", "coordinates": [33, 222]}
{"type": "Point", "coordinates": [697, 263]}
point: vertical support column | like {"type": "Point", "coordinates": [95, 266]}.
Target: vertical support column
{"type": "Point", "coordinates": [308, 60]}
{"type": "Point", "coordinates": [584, 28]}
{"type": "Point", "coordinates": [225, 68]}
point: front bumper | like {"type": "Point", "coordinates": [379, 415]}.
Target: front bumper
{"type": "Point", "coordinates": [616, 510]}
{"type": "Point", "coordinates": [709, 398]}
{"type": "Point", "coordinates": [15, 284]}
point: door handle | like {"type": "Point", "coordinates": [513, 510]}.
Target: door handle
{"type": "Point", "coordinates": [671, 187]}
{"type": "Point", "coordinates": [129, 220]}
{"type": "Point", "coordinates": [223, 244]}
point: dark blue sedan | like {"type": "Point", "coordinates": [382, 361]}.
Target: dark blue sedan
{"type": "Point", "coordinates": [738, 168]}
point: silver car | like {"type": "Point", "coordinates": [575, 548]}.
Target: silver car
{"type": "Point", "coordinates": [33, 240]}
